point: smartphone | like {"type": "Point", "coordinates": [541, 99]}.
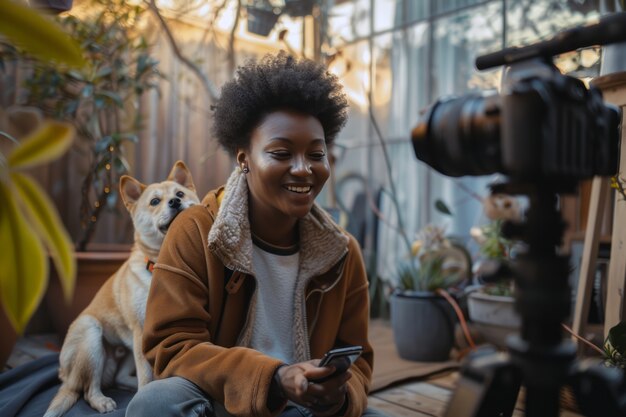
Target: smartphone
{"type": "Point", "coordinates": [341, 359]}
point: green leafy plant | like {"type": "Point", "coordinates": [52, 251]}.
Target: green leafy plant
{"type": "Point", "coordinates": [29, 222]}
{"type": "Point", "coordinates": [436, 263]}
{"type": "Point", "coordinates": [101, 100]}
{"type": "Point", "coordinates": [614, 348]}
{"type": "Point", "coordinates": [37, 35]}
{"type": "Point", "coordinates": [494, 246]}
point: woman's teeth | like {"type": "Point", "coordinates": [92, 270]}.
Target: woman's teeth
{"type": "Point", "coordinates": [299, 189]}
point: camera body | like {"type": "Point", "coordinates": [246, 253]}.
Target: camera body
{"type": "Point", "coordinates": [543, 125]}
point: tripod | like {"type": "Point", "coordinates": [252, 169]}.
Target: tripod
{"type": "Point", "coordinates": [539, 358]}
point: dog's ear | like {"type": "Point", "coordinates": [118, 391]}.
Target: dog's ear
{"type": "Point", "coordinates": [130, 190]}
{"type": "Point", "coordinates": [180, 174]}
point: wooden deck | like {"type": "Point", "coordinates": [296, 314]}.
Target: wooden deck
{"type": "Point", "coordinates": [427, 398]}
{"type": "Point", "coordinates": [413, 399]}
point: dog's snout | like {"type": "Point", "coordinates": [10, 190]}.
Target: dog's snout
{"type": "Point", "coordinates": [174, 203]}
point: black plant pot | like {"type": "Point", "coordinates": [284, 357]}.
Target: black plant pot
{"type": "Point", "coordinates": [52, 6]}
{"type": "Point", "coordinates": [261, 21]}
{"type": "Point", "coordinates": [423, 326]}
{"type": "Point", "coordinates": [299, 8]}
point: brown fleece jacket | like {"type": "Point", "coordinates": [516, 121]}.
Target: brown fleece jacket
{"type": "Point", "coordinates": [197, 316]}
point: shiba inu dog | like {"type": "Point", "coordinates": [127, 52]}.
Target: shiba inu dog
{"type": "Point", "coordinates": [95, 352]}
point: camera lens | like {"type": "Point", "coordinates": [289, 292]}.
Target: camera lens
{"type": "Point", "coordinates": [461, 136]}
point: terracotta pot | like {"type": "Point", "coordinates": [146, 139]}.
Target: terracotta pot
{"type": "Point", "coordinates": [94, 268]}
{"type": "Point", "coordinates": [8, 339]}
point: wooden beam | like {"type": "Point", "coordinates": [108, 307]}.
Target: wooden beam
{"type": "Point", "coordinates": [613, 87]}
{"type": "Point", "coordinates": [597, 202]}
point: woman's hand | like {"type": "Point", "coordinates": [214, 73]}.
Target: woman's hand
{"type": "Point", "coordinates": [323, 398]}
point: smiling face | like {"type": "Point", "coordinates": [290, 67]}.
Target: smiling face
{"type": "Point", "coordinates": [153, 207]}
{"type": "Point", "coordinates": [288, 166]}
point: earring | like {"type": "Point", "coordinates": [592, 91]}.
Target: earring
{"type": "Point", "coordinates": [244, 168]}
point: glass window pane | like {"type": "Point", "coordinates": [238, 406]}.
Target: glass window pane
{"type": "Point", "coordinates": [418, 72]}
{"type": "Point", "coordinates": [384, 78]}
{"type": "Point", "coordinates": [348, 21]}
{"type": "Point", "coordinates": [400, 79]}
{"type": "Point", "coordinates": [352, 67]}
{"type": "Point", "coordinates": [531, 20]}
{"type": "Point", "coordinates": [417, 10]}
{"type": "Point", "coordinates": [387, 14]}
{"type": "Point", "coordinates": [442, 6]}
{"type": "Point", "coordinates": [459, 39]}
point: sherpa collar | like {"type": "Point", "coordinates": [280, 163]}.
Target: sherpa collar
{"type": "Point", "coordinates": [322, 243]}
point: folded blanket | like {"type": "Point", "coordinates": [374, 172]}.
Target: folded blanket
{"type": "Point", "coordinates": [26, 391]}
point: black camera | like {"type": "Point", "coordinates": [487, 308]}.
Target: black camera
{"type": "Point", "coordinates": [543, 124]}
{"type": "Point", "coordinates": [546, 131]}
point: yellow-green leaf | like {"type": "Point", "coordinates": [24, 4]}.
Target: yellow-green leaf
{"type": "Point", "coordinates": [46, 221]}
{"type": "Point", "coordinates": [45, 144]}
{"type": "Point", "coordinates": [24, 266]}
{"type": "Point", "coordinates": [37, 35]}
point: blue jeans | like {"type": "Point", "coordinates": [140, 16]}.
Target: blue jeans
{"type": "Point", "coordinates": [178, 397]}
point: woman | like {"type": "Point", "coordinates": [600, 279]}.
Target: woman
{"type": "Point", "coordinates": [253, 286]}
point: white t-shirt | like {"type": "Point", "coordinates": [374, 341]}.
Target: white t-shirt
{"type": "Point", "coordinates": [276, 271]}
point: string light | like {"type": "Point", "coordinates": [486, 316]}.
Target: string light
{"type": "Point", "coordinates": [107, 167]}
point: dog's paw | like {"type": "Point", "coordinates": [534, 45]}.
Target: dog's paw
{"type": "Point", "coordinates": [103, 404]}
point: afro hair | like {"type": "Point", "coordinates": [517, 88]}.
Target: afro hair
{"type": "Point", "coordinates": [277, 82]}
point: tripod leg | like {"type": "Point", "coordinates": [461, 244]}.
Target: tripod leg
{"type": "Point", "coordinates": [488, 387]}
{"type": "Point", "coordinates": [600, 391]}
{"type": "Point", "coordinates": [542, 402]}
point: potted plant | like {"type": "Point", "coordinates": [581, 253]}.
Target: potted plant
{"type": "Point", "coordinates": [101, 102]}
{"type": "Point", "coordinates": [491, 305]}
{"type": "Point", "coordinates": [262, 16]}
{"type": "Point", "coordinates": [423, 314]}
{"type": "Point", "coordinates": [29, 223]}
{"type": "Point", "coordinates": [299, 8]}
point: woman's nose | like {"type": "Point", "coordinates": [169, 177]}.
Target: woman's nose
{"type": "Point", "coordinates": [301, 166]}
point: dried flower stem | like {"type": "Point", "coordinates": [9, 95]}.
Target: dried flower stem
{"type": "Point", "coordinates": [582, 339]}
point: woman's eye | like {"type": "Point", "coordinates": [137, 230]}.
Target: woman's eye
{"type": "Point", "coordinates": [318, 155]}
{"type": "Point", "coordinates": [280, 154]}
{"type": "Point", "coordinates": [155, 201]}
{"type": "Point", "coordinates": [180, 194]}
